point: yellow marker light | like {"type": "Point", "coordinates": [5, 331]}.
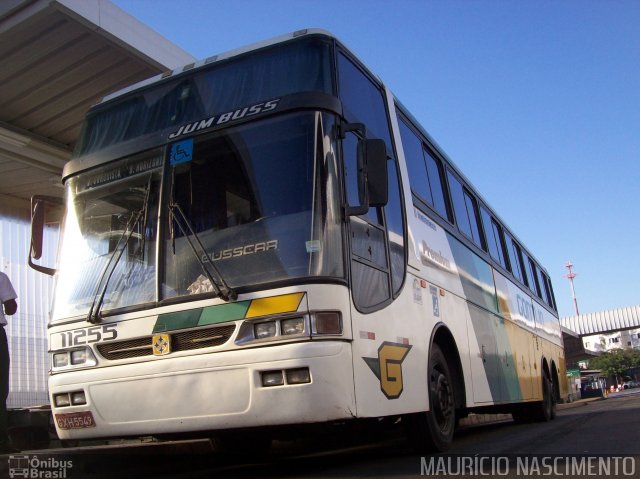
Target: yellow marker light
{"type": "Point", "coordinates": [286, 303]}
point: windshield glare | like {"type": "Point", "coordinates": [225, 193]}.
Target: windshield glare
{"type": "Point", "coordinates": [100, 219]}
{"type": "Point", "coordinates": [261, 198]}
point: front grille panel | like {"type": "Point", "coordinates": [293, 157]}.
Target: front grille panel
{"type": "Point", "coordinates": [130, 348]}
{"type": "Point", "coordinates": [181, 341]}
{"type": "Point", "coordinates": [201, 338]}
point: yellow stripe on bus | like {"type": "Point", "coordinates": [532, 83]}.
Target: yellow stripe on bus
{"type": "Point", "coordinates": [276, 304]}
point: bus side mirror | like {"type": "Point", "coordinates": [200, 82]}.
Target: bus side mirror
{"type": "Point", "coordinates": [372, 176]}
{"type": "Point", "coordinates": [376, 171]}
{"type": "Point", "coordinates": [37, 227]}
{"type": "Point", "coordinates": [38, 205]}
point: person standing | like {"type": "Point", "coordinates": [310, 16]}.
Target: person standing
{"type": "Point", "coordinates": [9, 307]}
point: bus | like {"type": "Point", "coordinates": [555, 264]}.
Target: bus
{"type": "Point", "coordinates": [269, 238]}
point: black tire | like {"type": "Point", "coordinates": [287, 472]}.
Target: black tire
{"type": "Point", "coordinates": [433, 430]}
{"type": "Point", "coordinates": [545, 410]}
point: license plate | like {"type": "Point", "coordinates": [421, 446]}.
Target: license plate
{"type": "Point", "coordinates": [75, 420]}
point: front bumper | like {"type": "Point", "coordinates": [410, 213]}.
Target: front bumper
{"type": "Point", "coordinates": [211, 392]}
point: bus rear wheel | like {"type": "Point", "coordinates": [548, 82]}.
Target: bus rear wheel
{"type": "Point", "coordinates": [433, 430]}
{"type": "Point", "coordinates": [540, 411]}
{"type": "Point", "coordinates": [546, 409]}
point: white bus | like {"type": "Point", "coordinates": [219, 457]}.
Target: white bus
{"type": "Point", "coordinates": [268, 238]}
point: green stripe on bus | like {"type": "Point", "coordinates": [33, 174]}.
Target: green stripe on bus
{"type": "Point", "coordinates": [224, 313]}
{"type": "Point", "coordinates": [177, 320]}
{"type": "Point", "coordinates": [201, 316]}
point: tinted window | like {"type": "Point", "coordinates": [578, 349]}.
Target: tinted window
{"type": "Point", "coordinates": [414, 157]}
{"type": "Point", "coordinates": [544, 288]}
{"type": "Point", "coordinates": [425, 171]}
{"type": "Point", "coordinates": [465, 209]}
{"type": "Point", "coordinates": [369, 264]}
{"type": "Point", "coordinates": [532, 275]}
{"type": "Point", "coordinates": [459, 205]}
{"type": "Point", "coordinates": [297, 67]}
{"type": "Point", "coordinates": [362, 100]}
{"type": "Point", "coordinates": [472, 213]}
{"type": "Point", "coordinates": [548, 290]}
{"type": "Point", "coordinates": [515, 258]}
{"type": "Point", "coordinates": [495, 239]}
{"type": "Point", "coordinates": [434, 168]}
{"type": "Point", "coordinates": [395, 226]}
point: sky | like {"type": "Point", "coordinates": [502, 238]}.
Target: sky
{"type": "Point", "coordinates": [537, 102]}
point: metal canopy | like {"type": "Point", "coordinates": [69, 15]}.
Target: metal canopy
{"type": "Point", "coordinates": [57, 58]}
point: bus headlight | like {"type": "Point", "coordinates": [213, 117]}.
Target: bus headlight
{"type": "Point", "coordinates": [79, 357]}
{"type": "Point", "coordinates": [264, 330]}
{"type": "Point", "coordinates": [60, 360]}
{"type": "Point", "coordinates": [76, 358]}
{"type": "Point", "coordinates": [292, 326]}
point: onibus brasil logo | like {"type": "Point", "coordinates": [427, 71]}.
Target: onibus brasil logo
{"type": "Point", "coordinates": [35, 467]}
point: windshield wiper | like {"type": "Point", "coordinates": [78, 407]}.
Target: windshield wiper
{"type": "Point", "coordinates": [112, 262]}
{"type": "Point", "coordinates": [222, 289]}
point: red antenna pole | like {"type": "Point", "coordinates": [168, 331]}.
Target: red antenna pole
{"type": "Point", "coordinates": [570, 275]}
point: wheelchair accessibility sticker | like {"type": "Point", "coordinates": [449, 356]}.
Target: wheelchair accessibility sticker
{"type": "Point", "coordinates": [181, 152]}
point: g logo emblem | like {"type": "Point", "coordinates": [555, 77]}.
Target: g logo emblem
{"type": "Point", "coordinates": [388, 367]}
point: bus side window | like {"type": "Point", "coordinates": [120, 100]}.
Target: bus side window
{"type": "Point", "coordinates": [436, 180]}
{"type": "Point", "coordinates": [395, 228]}
{"type": "Point", "coordinates": [532, 276]}
{"type": "Point", "coordinates": [515, 258]}
{"type": "Point", "coordinates": [425, 171]}
{"type": "Point", "coordinates": [549, 288]}
{"type": "Point", "coordinates": [377, 238]}
{"type": "Point", "coordinates": [494, 236]}
{"type": "Point", "coordinates": [413, 154]}
{"type": "Point", "coordinates": [362, 100]}
{"type": "Point", "coordinates": [369, 266]}
{"type": "Point", "coordinates": [544, 289]}
{"type": "Point", "coordinates": [465, 209]}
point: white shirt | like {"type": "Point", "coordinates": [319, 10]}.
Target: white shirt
{"type": "Point", "coordinates": [6, 293]}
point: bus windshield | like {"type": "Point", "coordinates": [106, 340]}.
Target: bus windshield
{"type": "Point", "coordinates": [109, 239]}
{"type": "Point", "coordinates": [260, 198]}
{"type": "Point", "coordinates": [260, 201]}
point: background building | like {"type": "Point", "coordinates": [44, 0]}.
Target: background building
{"type": "Point", "coordinates": [58, 57]}
{"type": "Point", "coordinates": [606, 330]}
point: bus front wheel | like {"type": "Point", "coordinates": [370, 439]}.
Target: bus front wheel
{"type": "Point", "coordinates": [433, 430]}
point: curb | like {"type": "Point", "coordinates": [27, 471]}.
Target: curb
{"type": "Point", "coordinates": [578, 403]}
{"type": "Point", "coordinates": [477, 419]}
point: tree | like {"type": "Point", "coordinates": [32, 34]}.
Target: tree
{"type": "Point", "coordinates": [616, 362]}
